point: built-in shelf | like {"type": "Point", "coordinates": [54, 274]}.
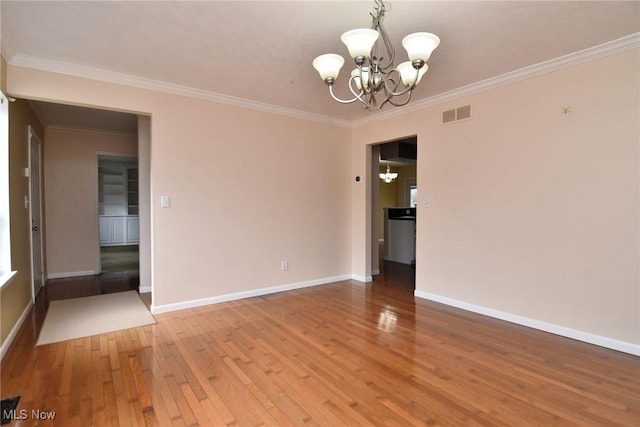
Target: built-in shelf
{"type": "Point", "coordinates": [132, 191]}
{"type": "Point", "coordinates": [118, 202]}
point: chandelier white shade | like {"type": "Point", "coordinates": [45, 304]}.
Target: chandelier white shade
{"type": "Point", "coordinates": [408, 73]}
{"type": "Point", "coordinates": [360, 41]}
{"type": "Point", "coordinates": [420, 45]}
{"type": "Point", "coordinates": [328, 65]}
{"type": "Point", "coordinates": [373, 82]}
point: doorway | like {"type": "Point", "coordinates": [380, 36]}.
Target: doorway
{"type": "Point", "coordinates": [393, 212]}
{"type": "Point", "coordinates": [100, 129]}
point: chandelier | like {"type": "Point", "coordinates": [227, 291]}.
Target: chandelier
{"type": "Point", "coordinates": [389, 176]}
{"type": "Point", "coordinates": [375, 81]}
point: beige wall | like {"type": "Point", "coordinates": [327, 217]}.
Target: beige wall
{"type": "Point", "coordinates": [248, 189]}
{"type": "Point", "coordinates": [71, 196]}
{"type": "Point", "coordinates": [533, 212]}
{"type": "Point", "coordinates": [15, 296]}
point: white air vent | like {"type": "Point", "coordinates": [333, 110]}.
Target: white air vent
{"type": "Point", "coordinates": [459, 113]}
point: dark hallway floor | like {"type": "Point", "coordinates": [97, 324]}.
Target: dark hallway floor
{"type": "Point", "coordinates": [115, 259]}
{"type": "Point", "coordinates": [397, 275]}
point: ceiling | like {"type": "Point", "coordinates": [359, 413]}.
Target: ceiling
{"type": "Point", "coordinates": [51, 114]}
{"type": "Point", "coordinates": [262, 51]}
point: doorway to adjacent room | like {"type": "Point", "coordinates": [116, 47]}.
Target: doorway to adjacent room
{"type": "Point", "coordinates": [393, 238]}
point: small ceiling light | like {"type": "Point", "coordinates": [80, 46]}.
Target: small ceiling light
{"type": "Point", "coordinates": [389, 176]}
{"type": "Point", "coordinates": [371, 78]}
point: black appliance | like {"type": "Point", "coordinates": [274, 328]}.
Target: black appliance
{"type": "Point", "coordinates": [408, 214]}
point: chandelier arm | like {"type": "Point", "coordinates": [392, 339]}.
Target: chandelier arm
{"type": "Point", "coordinates": [389, 100]}
{"type": "Point", "coordinates": [377, 17]}
{"type": "Point", "coordinates": [391, 92]}
{"type": "Point", "coordinates": [387, 46]}
{"type": "Point", "coordinates": [358, 96]}
{"type": "Point", "coordinates": [342, 101]}
{"type": "Point", "coordinates": [363, 82]}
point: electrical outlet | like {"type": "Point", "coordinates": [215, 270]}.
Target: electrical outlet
{"type": "Point", "coordinates": [285, 265]}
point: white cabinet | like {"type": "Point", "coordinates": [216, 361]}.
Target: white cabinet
{"type": "Point", "coordinates": [104, 225]}
{"type": "Point", "coordinates": [399, 241]}
{"type": "Point", "coordinates": [399, 235]}
{"type": "Point", "coordinates": [133, 229]}
{"type": "Point", "coordinates": [119, 230]}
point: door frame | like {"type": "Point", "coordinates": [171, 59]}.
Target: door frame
{"type": "Point", "coordinates": [34, 139]}
{"type": "Point", "coordinates": [372, 200]}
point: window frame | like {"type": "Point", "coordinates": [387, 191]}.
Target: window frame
{"type": "Point", "coordinates": [6, 274]}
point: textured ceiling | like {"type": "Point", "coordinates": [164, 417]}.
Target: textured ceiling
{"type": "Point", "coordinates": [262, 51]}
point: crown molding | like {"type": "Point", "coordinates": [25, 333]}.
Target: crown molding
{"type": "Point", "coordinates": [625, 43]}
{"type": "Point", "coordinates": [59, 67]}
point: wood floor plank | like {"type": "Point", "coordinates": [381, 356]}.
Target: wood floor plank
{"type": "Point", "coordinates": [337, 354]}
{"type": "Point", "coordinates": [154, 384]}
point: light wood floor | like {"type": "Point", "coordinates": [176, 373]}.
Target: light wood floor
{"type": "Point", "coordinates": [338, 354]}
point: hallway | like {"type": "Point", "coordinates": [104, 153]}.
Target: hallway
{"type": "Point", "coordinates": [397, 275]}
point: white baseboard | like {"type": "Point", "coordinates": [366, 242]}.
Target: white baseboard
{"type": "Point", "coordinates": [575, 334]}
{"type": "Point", "coordinates": [363, 279]}
{"type": "Point", "coordinates": [247, 294]}
{"type": "Point", "coordinates": [72, 274]}
{"type": "Point", "coordinates": [14, 331]}
{"type": "Point", "coordinates": [144, 289]}
{"type": "Point", "coordinates": [375, 272]}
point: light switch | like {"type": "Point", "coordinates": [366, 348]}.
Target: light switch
{"type": "Point", "coordinates": [165, 202]}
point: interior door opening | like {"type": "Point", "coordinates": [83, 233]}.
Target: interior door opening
{"type": "Point", "coordinates": [393, 212]}
{"type": "Point", "coordinates": [130, 269]}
